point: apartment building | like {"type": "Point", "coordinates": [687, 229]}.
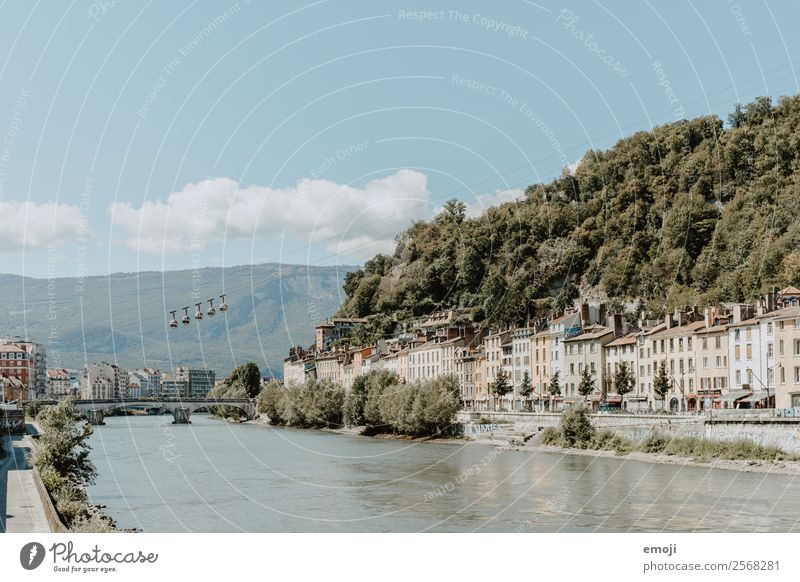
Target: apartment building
{"type": "Point", "coordinates": [675, 344]}
{"type": "Point", "coordinates": [711, 348]}
{"type": "Point", "coordinates": [540, 364]}
{"type": "Point", "coordinates": [787, 358]}
{"type": "Point", "coordinates": [333, 329]}
{"type": "Point", "coordinates": [625, 350]}
{"type": "Point", "coordinates": [92, 387]}
{"type": "Point", "coordinates": [585, 350]}
{"type": "Point", "coordinates": [59, 383]}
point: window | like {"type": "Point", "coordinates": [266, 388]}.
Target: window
{"type": "Point", "coordinates": [737, 335]}
{"type": "Point", "coordinates": [769, 327]}
{"type": "Point", "coordinates": [672, 344]}
{"type": "Point", "coordinates": [797, 347]}
{"type": "Point", "coordinates": [718, 342]}
{"type": "Point", "coordinates": [680, 344]}
{"type": "Point", "coordinates": [705, 343]}
{"type": "Point", "coordinates": [738, 377]}
{"type": "Point", "coordinates": [797, 374]}
{"type": "Point", "coordinates": [705, 362]}
{"type": "Point", "coordinates": [688, 343]}
{"type": "Point", "coordinates": [770, 350]}
{"type": "Point", "coordinates": [737, 353]}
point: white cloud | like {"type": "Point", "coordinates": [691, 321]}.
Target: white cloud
{"type": "Point", "coordinates": [573, 166]}
{"type": "Point", "coordinates": [30, 226]}
{"type": "Point", "coordinates": [357, 221]}
{"type": "Point", "coordinates": [484, 201]}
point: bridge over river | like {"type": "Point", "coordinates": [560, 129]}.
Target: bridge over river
{"type": "Point", "coordinates": [180, 408]}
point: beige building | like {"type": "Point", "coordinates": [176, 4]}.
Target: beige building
{"type": "Point", "coordinates": [329, 367]}
{"type": "Point", "coordinates": [585, 350]}
{"type": "Point", "coordinates": [711, 349]}
{"type": "Point", "coordinates": [625, 350]}
{"type": "Point", "coordinates": [540, 364]}
{"type": "Point", "coordinates": [787, 359]}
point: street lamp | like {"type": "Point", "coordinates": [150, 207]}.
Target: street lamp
{"type": "Point", "coordinates": [766, 386]}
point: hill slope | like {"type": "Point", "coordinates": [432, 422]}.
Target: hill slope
{"type": "Point", "coordinates": [690, 212]}
{"type": "Point", "coordinates": [123, 317]}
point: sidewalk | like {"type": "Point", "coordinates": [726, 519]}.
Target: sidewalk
{"type": "Point", "coordinates": [21, 509]}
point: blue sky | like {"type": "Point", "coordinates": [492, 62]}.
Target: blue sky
{"type": "Point", "coordinates": [149, 136]}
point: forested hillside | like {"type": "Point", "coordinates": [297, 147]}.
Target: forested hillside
{"type": "Point", "coordinates": [691, 212]}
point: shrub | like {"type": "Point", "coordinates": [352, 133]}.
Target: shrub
{"type": "Point", "coordinates": [322, 404]}
{"type": "Point", "coordinates": [551, 436]}
{"type": "Point", "coordinates": [93, 522]}
{"type": "Point", "coordinates": [576, 426]}
{"type": "Point", "coordinates": [357, 396]}
{"type": "Point", "coordinates": [63, 444]}
{"type": "Point", "coordinates": [270, 402]}
{"type": "Point", "coordinates": [655, 443]}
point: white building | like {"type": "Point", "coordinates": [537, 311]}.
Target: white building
{"type": "Point", "coordinates": [117, 378]}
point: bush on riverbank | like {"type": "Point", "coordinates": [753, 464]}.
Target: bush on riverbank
{"type": "Point", "coordinates": [575, 431]}
{"type": "Point", "coordinates": [704, 449]}
{"type": "Point", "coordinates": [62, 459]}
{"type": "Point", "coordinates": [424, 408]}
{"type": "Point", "coordinates": [380, 403]}
{"type": "Point", "coordinates": [317, 404]}
{"type": "Point", "coordinates": [372, 383]}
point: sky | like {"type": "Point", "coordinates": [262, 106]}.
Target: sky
{"type": "Point", "coordinates": [142, 136]}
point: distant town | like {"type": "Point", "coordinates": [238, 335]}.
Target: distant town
{"type": "Point", "coordinates": [24, 376]}
{"type": "Point", "coordinates": [728, 356]}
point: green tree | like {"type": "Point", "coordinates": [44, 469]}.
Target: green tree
{"type": "Point", "coordinates": [248, 376]}
{"type": "Point", "coordinates": [501, 387]}
{"type": "Point", "coordinates": [64, 444]}
{"type": "Point", "coordinates": [587, 384]}
{"type": "Point", "coordinates": [661, 383]}
{"type": "Point", "coordinates": [554, 387]}
{"type": "Point", "coordinates": [576, 426]}
{"type": "Point", "coordinates": [454, 211]}
{"type": "Point", "coordinates": [526, 388]}
{"type": "Point", "coordinates": [270, 402]}
{"type": "Point", "coordinates": [623, 380]}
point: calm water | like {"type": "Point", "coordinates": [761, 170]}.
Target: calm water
{"type": "Point", "coordinates": [212, 476]}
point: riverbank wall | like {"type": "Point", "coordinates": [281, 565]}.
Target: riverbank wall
{"type": "Point", "coordinates": [762, 428]}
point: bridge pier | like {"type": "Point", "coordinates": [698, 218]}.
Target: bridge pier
{"type": "Point", "coordinates": [181, 416]}
{"type": "Point", "coordinates": [95, 416]}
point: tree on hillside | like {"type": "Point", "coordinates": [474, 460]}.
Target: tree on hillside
{"type": "Point", "coordinates": [454, 211]}
{"type": "Point", "coordinates": [248, 376]}
{"type": "Point", "coordinates": [500, 387]}
{"type": "Point", "coordinates": [623, 380]}
{"type": "Point", "coordinates": [526, 388]}
{"type": "Point", "coordinates": [587, 383]}
{"type": "Point", "coordinates": [661, 383]}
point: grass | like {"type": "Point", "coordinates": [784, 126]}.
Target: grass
{"type": "Point", "coordinates": [697, 448]}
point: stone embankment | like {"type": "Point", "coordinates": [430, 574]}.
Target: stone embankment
{"type": "Point", "coordinates": [761, 427]}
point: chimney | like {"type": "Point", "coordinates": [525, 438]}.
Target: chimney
{"type": "Point", "coordinates": [710, 315]}
{"type": "Point", "coordinates": [668, 320]}
{"type": "Point", "coordinates": [737, 313]}
{"type": "Point", "coordinates": [616, 325]}
{"type": "Point", "coordinates": [584, 315]}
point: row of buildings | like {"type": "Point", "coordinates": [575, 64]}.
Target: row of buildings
{"type": "Point", "coordinates": [723, 356]}
{"type": "Point", "coordinates": [24, 376]}
{"type": "Point", "coordinates": [101, 381]}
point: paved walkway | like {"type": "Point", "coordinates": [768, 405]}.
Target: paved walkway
{"type": "Point", "coordinates": [21, 509]}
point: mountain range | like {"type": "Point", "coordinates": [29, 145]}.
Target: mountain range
{"type": "Point", "coordinates": [124, 318]}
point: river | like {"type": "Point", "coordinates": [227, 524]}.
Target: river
{"type": "Point", "coordinates": [213, 476]}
